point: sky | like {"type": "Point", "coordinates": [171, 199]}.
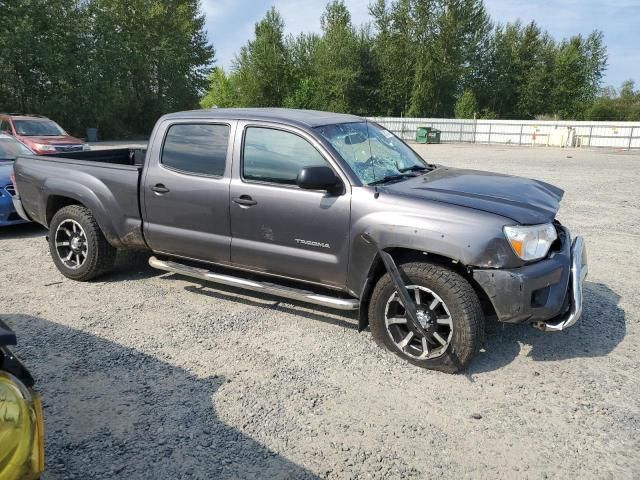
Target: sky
{"type": "Point", "coordinates": [230, 24]}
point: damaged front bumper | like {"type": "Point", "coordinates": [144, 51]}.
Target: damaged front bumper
{"type": "Point", "coordinates": [547, 294]}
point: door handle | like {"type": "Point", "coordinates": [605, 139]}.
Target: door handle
{"type": "Point", "coordinates": [160, 188]}
{"type": "Point", "coordinates": [244, 200]}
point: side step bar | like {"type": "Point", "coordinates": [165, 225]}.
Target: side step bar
{"type": "Point", "coordinates": [263, 287]}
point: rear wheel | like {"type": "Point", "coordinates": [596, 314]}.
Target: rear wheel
{"type": "Point", "coordinates": [448, 310]}
{"type": "Point", "coordinates": [77, 245]}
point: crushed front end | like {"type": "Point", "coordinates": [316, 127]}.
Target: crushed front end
{"type": "Point", "coordinates": [546, 293]}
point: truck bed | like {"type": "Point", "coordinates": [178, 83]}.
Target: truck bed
{"type": "Point", "coordinates": [105, 181]}
{"type": "Point", "coordinates": [116, 156]}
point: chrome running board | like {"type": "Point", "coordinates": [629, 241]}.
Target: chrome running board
{"type": "Point", "coordinates": [263, 287]}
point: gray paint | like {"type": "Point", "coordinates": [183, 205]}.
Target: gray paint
{"type": "Point", "coordinates": [311, 236]}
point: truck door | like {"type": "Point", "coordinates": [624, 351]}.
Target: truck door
{"type": "Point", "coordinates": [186, 190]}
{"type": "Point", "coordinates": [277, 227]}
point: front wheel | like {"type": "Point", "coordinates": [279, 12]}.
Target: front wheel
{"type": "Point", "coordinates": [448, 310]}
{"type": "Point", "coordinates": [77, 245]}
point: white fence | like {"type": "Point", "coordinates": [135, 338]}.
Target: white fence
{"type": "Point", "coordinates": [625, 135]}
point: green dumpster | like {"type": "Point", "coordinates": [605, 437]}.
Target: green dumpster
{"type": "Point", "coordinates": [427, 135]}
{"type": "Point", "coordinates": [433, 135]}
{"type": "Point", "coordinates": [421, 134]}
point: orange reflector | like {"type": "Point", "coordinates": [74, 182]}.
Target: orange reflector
{"type": "Point", "coordinates": [518, 247]}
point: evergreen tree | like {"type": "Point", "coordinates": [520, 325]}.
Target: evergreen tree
{"type": "Point", "coordinates": [302, 50]}
{"type": "Point", "coordinates": [337, 61]}
{"type": "Point", "coordinates": [221, 92]}
{"type": "Point", "coordinates": [394, 52]}
{"type": "Point", "coordinates": [262, 67]}
{"type": "Point", "coordinates": [467, 105]}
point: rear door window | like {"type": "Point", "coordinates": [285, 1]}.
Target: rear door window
{"type": "Point", "coordinates": [196, 148]}
{"type": "Point", "coordinates": [276, 156]}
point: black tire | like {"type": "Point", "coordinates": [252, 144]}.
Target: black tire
{"type": "Point", "coordinates": [99, 255]}
{"type": "Point", "coordinates": [466, 316]}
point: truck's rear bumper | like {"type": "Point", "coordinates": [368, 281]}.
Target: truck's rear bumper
{"type": "Point", "coordinates": [8, 214]}
{"type": "Point", "coordinates": [17, 204]}
{"type": "Point", "coordinates": [547, 294]}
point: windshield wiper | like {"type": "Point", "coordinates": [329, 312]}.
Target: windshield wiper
{"type": "Point", "coordinates": [413, 168]}
{"type": "Point", "coordinates": [388, 178]}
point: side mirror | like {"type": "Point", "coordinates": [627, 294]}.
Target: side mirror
{"type": "Point", "coordinates": [319, 178]}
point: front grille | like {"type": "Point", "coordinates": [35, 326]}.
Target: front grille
{"type": "Point", "coordinates": [68, 148]}
{"type": "Point", "coordinates": [10, 189]}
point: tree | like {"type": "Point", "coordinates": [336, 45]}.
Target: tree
{"type": "Point", "coordinates": [116, 65]}
{"type": "Point", "coordinates": [518, 77]}
{"type": "Point", "coordinates": [337, 64]}
{"type": "Point", "coordinates": [302, 51]}
{"type": "Point", "coordinates": [451, 35]}
{"type": "Point", "coordinates": [467, 105]}
{"type": "Point", "coordinates": [221, 92]}
{"type": "Point", "coordinates": [394, 54]}
{"type": "Point", "coordinates": [612, 104]}
{"type": "Point", "coordinates": [578, 69]}
{"type": "Point", "coordinates": [262, 67]}
{"type": "Point", "coordinates": [40, 70]}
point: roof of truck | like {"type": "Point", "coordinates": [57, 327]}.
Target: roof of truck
{"type": "Point", "coordinates": [309, 118]}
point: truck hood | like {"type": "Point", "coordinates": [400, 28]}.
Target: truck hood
{"type": "Point", "coordinates": [523, 200]}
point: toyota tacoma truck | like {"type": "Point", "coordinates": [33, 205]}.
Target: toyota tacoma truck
{"type": "Point", "coordinates": [328, 209]}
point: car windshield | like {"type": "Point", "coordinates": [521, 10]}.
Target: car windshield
{"type": "Point", "coordinates": [11, 148]}
{"type": "Point", "coordinates": [374, 154]}
{"type": "Point", "coordinates": [38, 128]}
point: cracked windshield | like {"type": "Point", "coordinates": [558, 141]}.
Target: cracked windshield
{"type": "Point", "coordinates": [373, 153]}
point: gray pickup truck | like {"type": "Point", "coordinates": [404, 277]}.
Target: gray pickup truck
{"type": "Point", "coordinates": [323, 208]}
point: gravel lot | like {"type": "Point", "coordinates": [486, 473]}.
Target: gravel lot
{"type": "Point", "coordinates": [150, 375]}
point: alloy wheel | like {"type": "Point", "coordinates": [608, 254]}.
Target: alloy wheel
{"type": "Point", "coordinates": [434, 318]}
{"type": "Point", "coordinates": [71, 244]}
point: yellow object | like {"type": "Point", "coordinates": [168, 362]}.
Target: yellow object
{"type": "Point", "coordinates": [518, 247]}
{"type": "Point", "coordinates": [21, 431]}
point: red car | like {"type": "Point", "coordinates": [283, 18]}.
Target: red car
{"type": "Point", "coordinates": [42, 135]}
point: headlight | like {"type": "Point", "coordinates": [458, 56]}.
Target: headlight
{"type": "Point", "coordinates": [86, 147]}
{"type": "Point", "coordinates": [531, 242]}
{"type": "Point", "coordinates": [21, 432]}
{"type": "Point", "coordinates": [44, 148]}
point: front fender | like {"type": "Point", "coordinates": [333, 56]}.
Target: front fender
{"type": "Point", "coordinates": [471, 237]}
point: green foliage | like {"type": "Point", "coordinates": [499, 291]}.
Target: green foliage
{"type": "Point", "coordinates": [106, 63]}
{"type": "Point", "coordinates": [221, 92]}
{"type": "Point", "coordinates": [394, 55]}
{"type": "Point", "coordinates": [120, 65]}
{"type": "Point", "coordinates": [422, 58]}
{"type": "Point", "coordinates": [40, 56]}
{"type": "Point", "coordinates": [577, 73]}
{"type": "Point", "coordinates": [467, 105]}
{"type": "Point", "coordinates": [337, 63]}
{"type": "Point", "coordinates": [262, 68]}
{"type": "Point", "coordinates": [623, 104]}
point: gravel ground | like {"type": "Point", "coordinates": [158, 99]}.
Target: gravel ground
{"type": "Point", "coordinates": [150, 375]}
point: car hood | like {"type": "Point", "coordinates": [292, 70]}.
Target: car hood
{"type": "Point", "coordinates": [523, 200]}
{"type": "Point", "coordinates": [57, 140]}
